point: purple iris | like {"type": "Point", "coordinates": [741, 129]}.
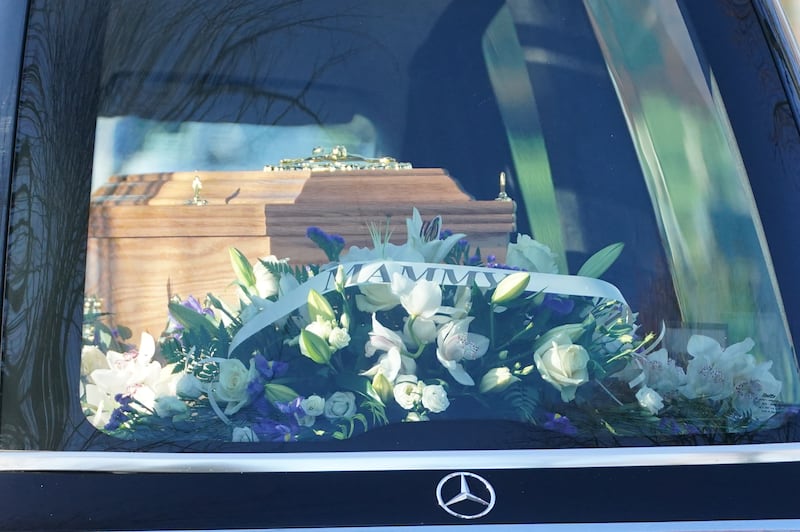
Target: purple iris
{"type": "Point", "coordinates": [291, 407]}
{"type": "Point", "coordinates": [269, 430]}
{"type": "Point", "coordinates": [559, 305]}
{"type": "Point", "coordinates": [559, 423]}
{"type": "Point", "coordinates": [191, 303]}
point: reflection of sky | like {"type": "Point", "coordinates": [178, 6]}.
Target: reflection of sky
{"type": "Point", "coordinates": [132, 145]}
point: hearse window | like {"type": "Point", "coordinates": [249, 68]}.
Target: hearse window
{"type": "Point", "coordinates": [376, 225]}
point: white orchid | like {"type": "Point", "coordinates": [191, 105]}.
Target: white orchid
{"type": "Point", "coordinates": [455, 344]}
{"type": "Point", "coordinates": [133, 373]}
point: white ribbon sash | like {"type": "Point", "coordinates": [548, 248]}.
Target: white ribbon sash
{"type": "Point", "coordinates": [380, 272]}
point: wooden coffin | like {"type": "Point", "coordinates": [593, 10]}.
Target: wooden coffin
{"type": "Point", "coordinates": [149, 241]}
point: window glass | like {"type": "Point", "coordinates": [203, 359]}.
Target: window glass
{"type": "Point", "coordinates": [429, 225]}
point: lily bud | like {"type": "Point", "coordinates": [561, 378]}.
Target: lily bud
{"type": "Point", "coordinates": [279, 393]}
{"type": "Point", "coordinates": [339, 279]}
{"type": "Point", "coordinates": [318, 307]}
{"type": "Point", "coordinates": [497, 380]}
{"type": "Point", "coordinates": [383, 388]}
{"type": "Point", "coordinates": [314, 347]}
{"type": "Point", "coordinates": [510, 288]}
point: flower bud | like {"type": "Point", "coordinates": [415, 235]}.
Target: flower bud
{"type": "Point", "coordinates": [278, 393]}
{"type": "Point", "coordinates": [497, 380]}
{"type": "Point", "coordinates": [318, 307]}
{"type": "Point", "coordinates": [314, 347]}
{"type": "Point", "coordinates": [383, 387]}
{"type": "Point", "coordinates": [510, 288]}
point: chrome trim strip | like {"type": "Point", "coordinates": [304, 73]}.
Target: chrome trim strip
{"type": "Point", "coordinates": [684, 526]}
{"type": "Point", "coordinates": [132, 462]}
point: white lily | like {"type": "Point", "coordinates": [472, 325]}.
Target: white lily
{"type": "Point", "coordinates": [421, 299]}
{"type": "Point", "coordinates": [426, 238]}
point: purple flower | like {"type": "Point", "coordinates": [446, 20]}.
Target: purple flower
{"type": "Point", "coordinates": [559, 423]}
{"type": "Point", "coordinates": [291, 407]}
{"type": "Point", "coordinates": [264, 367]}
{"type": "Point", "coordinates": [117, 418]}
{"type": "Point", "coordinates": [332, 245]}
{"type": "Point", "coordinates": [559, 305]}
{"type": "Point", "coordinates": [269, 430]}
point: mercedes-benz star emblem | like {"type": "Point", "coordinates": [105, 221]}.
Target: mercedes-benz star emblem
{"type": "Point", "coordinates": [465, 495]}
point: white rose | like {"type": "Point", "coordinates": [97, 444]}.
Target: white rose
{"type": "Point", "coordinates": [168, 406]}
{"type": "Point", "coordinates": [231, 386]}
{"type": "Point", "coordinates": [321, 327]}
{"type": "Point", "coordinates": [189, 386]}
{"type": "Point", "coordinates": [650, 399]}
{"type": "Point", "coordinates": [339, 338]}
{"type": "Point", "coordinates": [243, 434]}
{"type": "Point", "coordinates": [563, 366]}
{"type": "Point", "coordinates": [313, 405]}
{"type": "Point", "coordinates": [306, 420]}
{"type": "Point", "coordinates": [434, 398]}
{"type": "Point", "coordinates": [408, 392]}
{"type": "Point", "coordinates": [340, 404]}
{"type": "Point", "coordinates": [531, 255]}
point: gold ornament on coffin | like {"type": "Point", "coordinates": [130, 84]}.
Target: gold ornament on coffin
{"type": "Point", "coordinates": [338, 159]}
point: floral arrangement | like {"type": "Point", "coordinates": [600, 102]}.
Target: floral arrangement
{"type": "Point", "coordinates": [417, 332]}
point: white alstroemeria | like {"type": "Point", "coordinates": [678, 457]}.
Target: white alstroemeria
{"type": "Point", "coordinates": [711, 370]}
{"type": "Point", "coordinates": [382, 338]}
{"type": "Point", "coordinates": [650, 399]}
{"type": "Point", "coordinates": [421, 299]}
{"type": "Point", "coordinates": [455, 344]}
{"type": "Point", "coordinates": [531, 255]}
{"type": "Point", "coordinates": [426, 238]}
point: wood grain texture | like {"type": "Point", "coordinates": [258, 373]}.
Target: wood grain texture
{"type": "Point", "coordinates": [147, 245]}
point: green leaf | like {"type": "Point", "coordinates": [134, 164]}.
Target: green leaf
{"type": "Point", "coordinates": [192, 320]}
{"type": "Point", "coordinates": [242, 268]}
{"type": "Point", "coordinates": [124, 332]}
{"type": "Point", "coordinates": [358, 384]}
{"type": "Point", "coordinates": [314, 347]}
{"type": "Point", "coordinates": [601, 261]}
{"type": "Point", "coordinates": [318, 307]}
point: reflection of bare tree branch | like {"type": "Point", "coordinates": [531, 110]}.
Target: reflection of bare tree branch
{"type": "Point", "coordinates": [247, 46]}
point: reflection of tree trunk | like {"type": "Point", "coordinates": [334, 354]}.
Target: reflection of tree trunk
{"type": "Point", "coordinates": [53, 165]}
